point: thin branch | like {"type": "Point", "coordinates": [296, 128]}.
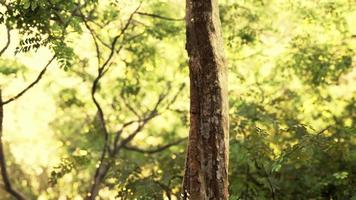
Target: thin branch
{"type": "Point", "coordinates": [124, 100]}
{"type": "Point", "coordinates": [151, 114]}
{"type": "Point", "coordinates": [104, 166]}
{"type": "Point", "coordinates": [102, 41]}
{"type": "Point", "coordinates": [175, 96]}
{"type": "Point", "coordinates": [140, 126]}
{"type": "Point", "coordinates": [93, 35]}
{"type": "Point", "coordinates": [119, 132]}
{"type": "Point", "coordinates": [4, 174]}
{"type": "Point", "coordinates": [141, 123]}
{"type": "Point", "coordinates": [298, 146]}
{"type": "Point", "coordinates": [137, 22]}
{"type": "Point", "coordinates": [155, 150]}
{"type": "Point", "coordinates": [116, 38]}
{"type": "Point", "coordinates": [39, 77]}
{"type": "Point", "coordinates": [101, 72]}
{"type": "Point", "coordinates": [273, 191]}
{"type": "Point", "coordinates": [7, 42]}
{"type": "Point", "coordinates": [160, 16]}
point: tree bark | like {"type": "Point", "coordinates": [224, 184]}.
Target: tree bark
{"type": "Point", "coordinates": [206, 170]}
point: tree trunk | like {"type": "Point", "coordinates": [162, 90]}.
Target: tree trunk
{"type": "Point", "coordinates": [206, 173]}
{"type": "Point", "coordinates": [3, 168]}
{"type": "Point", "coordinates": [100, 175]}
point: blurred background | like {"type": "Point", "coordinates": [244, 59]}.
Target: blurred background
{"type": "Point", "coordinates": [292, 93]}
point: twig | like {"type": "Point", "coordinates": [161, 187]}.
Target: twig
{"type": "Point", "coordinates": [92, 33]}
{"type": "Point", "coordinates": [4, 173]}
{"type": "Point", "coordinates": [39, 77]}
{"type": "Point", "coordinates": [155, 150]}
{"type": "Point", "coordinates": [124, 100]}
{"type": "Point", "coordinates": [298, 147]}
{"type": "Point", "coordinates": [175, 96]}
{"type": "Point", "coordinates": [140, 126]}
{"type": "Point", "coordinates": [119, 132]}
{"type": "Point", "coordinates": [160, 16]}
{"type": "Point", "coordinates": [151, 114]}
{"type": "Point", "coordinates": [273, 194]}
{"type": "Point", "coordinates": [113, 44]}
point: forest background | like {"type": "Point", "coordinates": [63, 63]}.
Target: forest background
{"type": "Point", "coordinates": [292, 98]}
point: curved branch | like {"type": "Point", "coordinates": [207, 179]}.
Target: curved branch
{"type": "Point", "coordinates": [155, 150]}
{"type": "Point", "coordinates": [104, 166]}
{"type": "Point", "coordinates": [39, 77]}
{"type": "Point", "coordinates": [116, 38]}
{"type": "Point", "coordinates": [93, 35]}
{"type": "Point", "coordinates": [142, 123]}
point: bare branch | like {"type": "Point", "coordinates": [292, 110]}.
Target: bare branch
{"type": "Point", "coordinates": [116, 38]}
{"type": "Point", "coordinates": [104, 166]}
{"type": "Point", "coordinates": [39, 77]}
{"type": "Point", "coordinates": [155, 150]}
{"type": "Point", "coordinates": [7, 42]}
{"type": "Point", "coordinates": [101, 72]}
{"type": "Point", "coordinates": [119, 132]}
{"type": "Point", "coordinates": [124, 100]}
{"type": "Point", "coordinates": [160, 16]}
{"type": "Point", "coordinates": [4, 174]}
{"type": "Point", "coordinates": [141, 124]}
{"type": "Point", "coordinates": [175, 96]}
{"type": "Point", "coordinates": [92, 33]}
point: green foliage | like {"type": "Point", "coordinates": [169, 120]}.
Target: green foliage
{"type": "Point", "coordinates": [278, 149]}
{"type": "Point", "coordinates": [247, 31]}
{"type": "Point", "coordinates": [319, 63]}
{"type": "Point", "coordinates": [292, 97]}
{"type": "Point", "coordinates": [44, 23]}
{"type": "Point", "coordinates": [67, 165]}
{"type": "Point", "coordinates": [64, 54]}
{"type": "Point", "coordinates": [10, 67]}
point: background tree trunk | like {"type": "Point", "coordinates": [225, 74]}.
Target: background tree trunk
{"type": "Point", "coordinates": [3, 167]}
{"type": "Point", "coordinates": [206, 173]}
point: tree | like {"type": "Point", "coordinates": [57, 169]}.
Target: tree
{"type": "Point", "coordinates": [112, 143]}
{"type": "Point", "coordinates": [4, 174]}
{"type": "Point", "coordinates": [114, 124]}
{"type": "Point", "coordinates": [206, 173]}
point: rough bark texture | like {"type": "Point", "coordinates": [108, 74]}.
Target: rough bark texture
{"type": "Point", "coordinates": [206, 173]}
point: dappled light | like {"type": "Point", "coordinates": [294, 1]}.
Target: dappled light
{"type": "Point", "coordinates": [114, 100]}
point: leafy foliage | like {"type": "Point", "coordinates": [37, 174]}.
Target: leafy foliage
{"type": "Point", "coordinates": [292, 96]}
